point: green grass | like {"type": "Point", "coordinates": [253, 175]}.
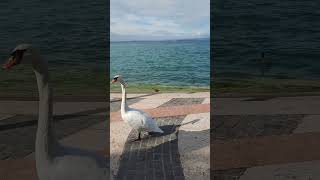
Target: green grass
{"type": "Point", "coordinates": [149, 88]}
{"type": "Point", "coordinates": [21, 82]}
{"type": "Point", "coordinates": [262, 86]}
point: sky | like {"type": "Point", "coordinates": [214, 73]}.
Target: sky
{"type": "Point", "coordinates": [159, 19]}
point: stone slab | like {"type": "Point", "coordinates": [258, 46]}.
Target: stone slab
{"type": "Point", "coordinates": [194, 146]}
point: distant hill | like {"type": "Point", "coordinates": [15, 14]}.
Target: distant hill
{"type": "Point", "coordinates": [120, 38]}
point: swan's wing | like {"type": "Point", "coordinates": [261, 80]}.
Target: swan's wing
{"type": "Point", "coordinates": [146, 121]}
{"type": "Point", "coordinates": [153, 126]}
{"type": "Point", "coordinates": [135, 119]}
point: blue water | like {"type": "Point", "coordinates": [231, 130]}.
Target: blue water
{"type": "Point", "coordinates": [287, 31]}
{"type": "Point", "coordinates": [70, 34]}
{"type": "Point", "coordinates": [183, 62]}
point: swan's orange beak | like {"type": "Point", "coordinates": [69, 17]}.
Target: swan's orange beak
{"type": "Point", "coordinates": [12, 61]}
{"type": "Point", "coordinates": [113, 81]}
{"type": "Point", "coordinates": [15, 59]}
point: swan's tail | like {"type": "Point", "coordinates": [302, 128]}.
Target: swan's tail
{"type": "Point", "coordinates": [158, 130]}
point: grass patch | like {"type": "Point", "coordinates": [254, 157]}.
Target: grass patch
{"type": "Point", "coordinates": [149, 88]}
{"type": "Point", "coordinates": [265, 86]}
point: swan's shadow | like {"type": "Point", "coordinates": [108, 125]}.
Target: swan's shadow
{"type": "Point", "coordinates": [156, 156]}
{"type": "Point", "coordinates": [153, 154]}
{"type": "Point", "coordinates": [170, 129]}
{"type": "Point", "coordinates": [167, 130]}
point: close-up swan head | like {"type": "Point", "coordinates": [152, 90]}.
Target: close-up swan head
{"type": "Point", "coordinates": [23, 53]}
{"type": "Point", "coordinates": [118, 79]}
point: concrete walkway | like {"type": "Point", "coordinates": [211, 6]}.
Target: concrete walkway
{"type": "Point", "coordinates": [77, 124]}
{"type": "Point", "coordinates": [184, 118]}
{"type": "Point", "coordinates": [82, 124]}
{"type": "Point", "coordinates": [272, 138]}
{"type": "Point", "coordinates": [194, 140]}
{"type": "Point", "coordinates": [266, 139]}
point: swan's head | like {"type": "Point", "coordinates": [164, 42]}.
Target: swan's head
{"type": "Point", "coordinates": [119, 79]}
{"type": "Point", "coordinates": [22, 53]}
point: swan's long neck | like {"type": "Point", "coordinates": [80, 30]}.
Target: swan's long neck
{"type": "Point", "coordinates": [44, 139]}
{"type": "Point", "coordinates": [124, 106]}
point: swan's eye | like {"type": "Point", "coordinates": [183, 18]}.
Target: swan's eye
{"type": "Point", "coordinates": [115, 78]}
{"type": "Point", "coordinates": [13, 53]}
{"type": "Point", "coordinates": [17, 56]}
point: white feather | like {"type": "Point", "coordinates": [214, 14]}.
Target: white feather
{"type": "Point", "coordinates": [137, 119]}
{"type": "Point", "coordinates": [140, 121]}
{"type": "Point", "coordinates": [54, 161]}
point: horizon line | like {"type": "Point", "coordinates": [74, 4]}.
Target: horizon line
{"type": "Point", "coordinates": [157, 40]}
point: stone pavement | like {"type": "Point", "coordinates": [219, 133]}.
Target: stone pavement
{"type": "Point", "coordinates": [153, 157]}
{"type": "Point", "coordinates": [17, 132]}
{"type": "Point", "coordinates": [82, 124]}
{"type": "Point", "coordinates": [251, 138]}
{"type": "Point", "coordinates": [165, 156]}
{"type": "Point", "coordinates": [273, 138]}
{"type": "Point", "coordinates": [78, 124]}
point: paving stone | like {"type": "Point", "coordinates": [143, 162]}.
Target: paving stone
{"type": "Point", "coordinates": [182, 101]}
{"type": "Point", "coordinates": [230, 174]}
{"type": "Point", "coordinates": [19, 141]}
{"type": "Point", "coordinates": [158, 154]}
{"type": "Point", "coordinates": [240, 126]}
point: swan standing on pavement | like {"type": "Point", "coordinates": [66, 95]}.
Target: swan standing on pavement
{"type": "Point", "coordinates": [137, 119]}
{"type": "Point", "coordinates": [54, 161]}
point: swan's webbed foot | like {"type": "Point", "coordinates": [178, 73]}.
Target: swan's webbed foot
{"type": "Point", "coordinates": [154, 134]}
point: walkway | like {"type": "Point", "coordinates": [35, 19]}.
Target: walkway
{"type": "Point", "coordinates": [182, 152]}
{"type": "Point", "coordinates": [273, 138]}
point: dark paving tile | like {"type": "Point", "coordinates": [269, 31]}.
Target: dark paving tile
{"type": "Point", "coordinates": [157, 154]}
{"type": "Point", "coordinates": [182, 101]}
{"type": "Point", "coordinates": [19, 141]}
{"type": "Point", "coordinates": [259, 98]}
{"type": "Point", "coordinates": [240, 126]}
{"type": "Point", "coordinates": [230, 174]}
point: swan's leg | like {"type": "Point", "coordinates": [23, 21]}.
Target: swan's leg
{"type": "Point", "coordinates": [139, 137]}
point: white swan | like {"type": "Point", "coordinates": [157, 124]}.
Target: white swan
{"type": "Point", "coordinates": [54, 161]}
{"type": "Point", "coordinates": [137, 119]}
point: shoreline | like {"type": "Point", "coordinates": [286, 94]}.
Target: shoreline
{"type": "Point", "coordinates": [260, 96]}
{"type": "Point", "coordinates": [157, 88]}
{"type": "Point", "coordinates": [57, 98]}
{"type": "Point", "coordinates": [79, 94]}
{"type": "Point", "coordinates": [228, 87]}
{"type": "Point", "coordinates": [257, 87]}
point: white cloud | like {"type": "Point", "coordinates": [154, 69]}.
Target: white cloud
{"type": "Point", "coordinates": [165, 19]}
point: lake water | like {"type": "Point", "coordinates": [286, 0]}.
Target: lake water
{"type": "Point", "coordinates": [286, 31]}
{"type": "Point", "coordinates": [179, 63]}
{"type": "Point", "coordinates": [71, 35]}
